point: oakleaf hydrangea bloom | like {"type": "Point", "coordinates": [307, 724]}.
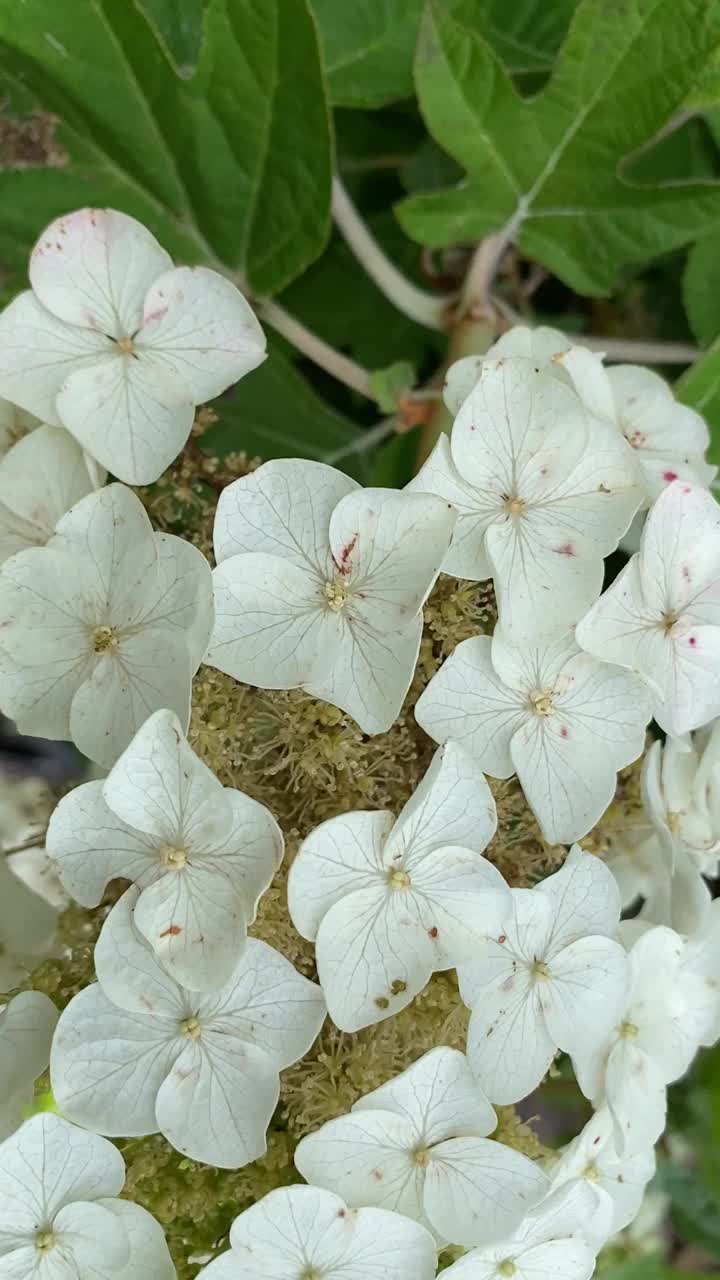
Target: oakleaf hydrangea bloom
{"type": "Point", "coordinates": [26, 1028]}
{"type": "Point", "coordinates": [552, 978]}
{"type": "Point", "coordinates": [136, 1052]}
{"type": "Point", "coordinates": [320, 585]}
{"type": "Point", "coordinates": [119, 346]}
{"type": "Point", "coordinates": [300, 1233]}
{"type": "Point", "coordinates": [200, 853]}
{"type": "Point", "coordinates": [669, 440]}
{"type": "Point", "coordinates": [27, 928]}
{"type": "Point", "coordinates": [59, 1211]}
{"type": "Point", "coordinates": [102, 626]}
{"type": "Point", "coordinates": [387, 903]}
{"type": "Point", "coordinates": [41, 477]}
{"type": "Point", "coordinates": [661, 615]}
{"type": "Point", "coordinates": [419, 1145]}
{"type": "Point", "coordinates": [543, 490]}
{"type": "Point", "coordinates": [558, 718]}
{"type": "Point", "coordinates": [651, 1043]}
{"type": "Point", "coordinates": [617, 1181]}
{"type": "Point", "coordinates": [550, 1242]}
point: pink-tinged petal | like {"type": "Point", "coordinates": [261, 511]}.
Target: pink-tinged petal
{"type": "Point", "coordinates": [200, 328]}
{"type": "Point", "coordinates": [93, 268]}
{"type": "Point", "coordinates": [131, 414]}
{"type": "Point", "coordinates": [680, 554]}
{"type": "Point", "coordinates": [38, 353]}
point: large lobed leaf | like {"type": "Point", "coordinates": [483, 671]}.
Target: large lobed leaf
{"type": "Point", "coordinates": [231, 166]}
{"type": "Point", "coordinates": [549, 170]}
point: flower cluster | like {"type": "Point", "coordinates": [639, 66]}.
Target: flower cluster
{"type": "Point", "coordinates": [196, 1021]}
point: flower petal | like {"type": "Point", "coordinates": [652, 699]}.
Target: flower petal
{"type": "Point", "coordinates": [452, 805]}
{"type": "Point", "coordinates": [251, 853]}
{"type": "Point", "coordinates": [366, 1157]}
{"type": "Point", "coordinates": [131, 414]}
{"type": "Point", "coordinates": [462, 898]}
{"type": "Point", "coordinates": [90, 846]}
{"type": "Point", "coordinates": [508, 1046]}
{"type": "Point", "coordinates": [466, 557]}
{"type": "Point", "coordinates": [41, 477]}
{"type": "Point", "coordinates": [477, 1191]}
{"type": "Point", "coordinates": [38, 352]}
{"type": "Point", "coordinates": [95, 1238]}
{"type": "Point", "coordinates": [371, 673]}
{"type": "Point", "coordinates": [586, 993]}
{"type": "Point", "coordinates": [199, 328]}
{"type": "Point", "coordinates": [182, 595]}
{"type": "Point", "coordinates": [129, 973]}
{"type": "Point", "coordinates": [194, 920]}
{"type": "Point", "coordinates": [583, 900]}
{"type": "Point", "coordinates": [93, 268]}
{"type": "Point", "coordinates": [339, 856]}
{"type": "Point", "coordinates": [149, 1255]}
{"type": "Point", "coordinates": [438, 1095]}
{"type": "Point", "coordinates": [27, 1024]}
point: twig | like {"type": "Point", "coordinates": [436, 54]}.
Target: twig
{"type": "Point", "coordinates": [425, 308]}
{"type": "Point", "coordinates": [320, 352]}
{"type": "Point", "coordinates": [32, 842]}
{"type": "Point", "coordinates": [618, 349]}
{"type": "Point", "coordinates": [368, 440]}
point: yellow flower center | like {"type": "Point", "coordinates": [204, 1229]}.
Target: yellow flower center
{"type": "Point", "coordinates": [44, 1241]}
{"type": "Point", "coordinates": [668, 621]}
{"type": "Point", "coordinates": [507, 1268]}
{"type": "Point", "coordinates": [592, 1173]}
{"type": "Point", "coordinates": [399, 880]}
{"type": "Point", "coordinates": [190, 1027]}
{"type": "Point", "coordinates": [541, 702]}
{"type": "Point", "coordinates": [515, 506]}
{"type": "Point", "coordinates": [104, 638]}
{"type": "Point", "coordinates": [539, 972]}
{"type": "Point", "coordinates": [125, 345]}
{"type": "Point", "coordinates": [337, 595]}
{"type": "Point", "coordinates": [628, 1030]}
{"type": "Point", "coordinates": [421, 1157]}
{"type": "Point", "coordinates": [173, 858]}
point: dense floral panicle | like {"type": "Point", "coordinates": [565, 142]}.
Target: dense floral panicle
{"type": "Point", "coordinates": [27, 1023]}
{"type": "Point", "coordinates": [303, 1232]}
{"type": "Point", "coordinates": [389, 902]}
{"type": "Point", "coordinates": [661, 615]}
{"type": "Point", "coordinates": [119, 346]}
{"type": "Point", "coordinates": [419, 1145]}
{"type": "Point", "coordinates": [564, 722]}
{"type": "Point", "coordinates": [137, 1052]}
{"type": "Point", "coordinates": [59, 1211]}
{"type": "Point", "coordinates": [543, 489]}
{"type": "Point", "coordinates": [200, 854]}
{"type": "Point", "coordinates": [105, 624]}
{"type": "Point", "coordinates": [552, 978]}
{"type": "Point", "coordinates": [320, 585]}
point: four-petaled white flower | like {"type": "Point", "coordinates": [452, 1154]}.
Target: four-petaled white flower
{"type": "Point", "coordinates": [419, 1145]}
{"type": "Point", "coordinates": [617, 1181]}
{"type": "Point", "coordinates": [27, 1023]}
{"type": "Point", "coordinates": [27, 928]}
{"type": "Point", "coordinates": [549, 1244]}
{"type": "Point", "coordinates": [59, 1212]}
{"type": "Point", "coordinates": [304, 1233]}
{"type": "Point", "coordinates": [201, 854]}
{"type": "Point", "coordinates": [543, 490]}
{"type": "Point", "coordinates": [320, 585]}
{"type": "Point", "coordinates": [119, 346]}
{"type": "Point", "coordinates": [41, 477]}
{"type": "Point", "coordinates": [561, 720]}
{"type": "Point", "coordinates": [661, 615]}
{"type": "Point", "coordinates": [669, 440]}
{"type": "Point", "coordinates": [650, 1044]}
{"type": "Point", "coordinates": [136, 1052]}
{"type": "Point", "coordinates": [103, 626]}
{"type": "Point", "coordinates": [552, 978]}
{"type": "Point", "coordinates": [389, 903]}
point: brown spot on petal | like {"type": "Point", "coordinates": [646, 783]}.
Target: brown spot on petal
{"type": "Point", "coordinates": [172, 931]}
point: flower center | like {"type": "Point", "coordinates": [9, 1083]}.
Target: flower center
{"type": "Point", "coordinates": [44, 1241]}
{"type": "Point", "coordinates": [104, 639]}
{"type": "Point", "coordinates": [398, 879]}
{"type": "Point", "coordinates": [668, 621]}
{"type": "Point", "coordinates": [541, 702]}
{"type": "Point", "coordinates": [337, 595]}
{"type": "Point", "coordinates": [674, 820]}
{"type": "Point", "coordinates": [628, 1030]}
{"type": "Point", "coordinates": [539, 971]}
{"type": "Point", "coordinates": [125, 345]}
{"type": "Point", "coordinates": [190, 1027]}
{"type": "Point", "coordinates": [173, 858]}
{"type": "Point", "coordinates": [310, 1273]}
{"type": "Point", "coordinates": [421, 1157]}
{"type": "Point", "coordinates": [507, 1268]}
{"type": "Point", "coordinates": [514, 507]}
{"type": "Point", "coordinates": [592, 1173]}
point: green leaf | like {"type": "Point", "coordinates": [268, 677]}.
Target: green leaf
{"type": "Point", "coordinates": [230, 167]}
{"type": "Point", "coordinates": [388, 384]}
{"type": "Point", "coordinates": [694, 1211]}
{"type": "Point", "coordinates": [369, 46]}
{"type": "Point", "coordinates": [701, 289]}
{"type": "Point", "coordinates": [651, 1267]}
{"type": "Point", "coordinates": [700, 388]}
{"type": "Point", "coordinates": [179, 24]}
{"type": "Point", "coordinates": [276, 414]}
{"type": "Point", "coordinates": [548, 170]}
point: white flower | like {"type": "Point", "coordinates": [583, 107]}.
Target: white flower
{"type": "Point", "coordinates": [26, 1027]}
{"type": "Point", "coordinates": [41, 477]}
{"type": "Point", "coordinates": [136, 1053]}
{"type": "Point", "coordinates": [549, 1244]}
{"type": "Point", "coordinates": [562, 721]}
{"type": "Point", "coordinates": [102, 626]}
{"type": "Point", "coordinates": [669, 439]}
{"type": "Point", "coordinates": [661, 615]}
{"type": "Point", "coordinates": [320, 585]}
{"type": "Point", "coordinates": [617, 1181]}
{"type": "Point", "coordinates": [201, 854]}
{"type": "Point", "coordinates": [419, 1145]}
{"type": "Point", "coordinates": [676, 896]}
{"type": "Point", "coordinates": [303, 1233]}
{"type": "Point", "coordinates": [552, 978]}
{"type": "Point", "coordinates": [699, 978]}
{"type": "Point", "coordinates": [14, 424]}
{"type": "Point", "coordinates": [683, 799]}
{"type": "Point", "coordinates": [652, 1042]}
{"type": "Point", "coordinates": [27, 928]}
{"type": "Point", "coordinates": [59, 1212]}
{"type": "Point", "coordinates": [543, 489]}
{"type": "Point", "coordinates": [388, 903]}
{"type": "Point", "coordinates": [117, 345]}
